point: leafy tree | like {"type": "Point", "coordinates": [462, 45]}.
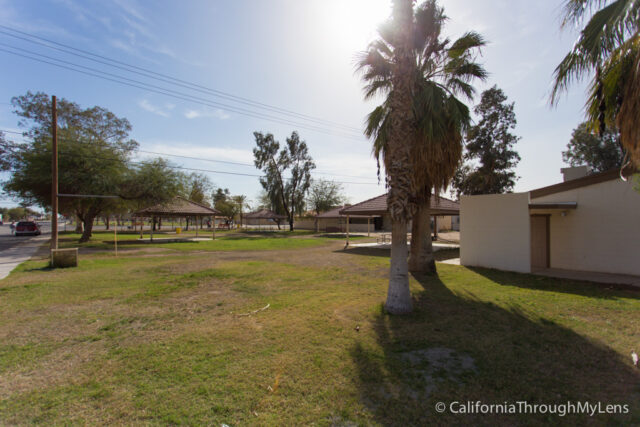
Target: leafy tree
{"type": "Point", "coordinates": [222, 202]}
{"type": "Point", "coordinates": [265, 201]}
{"type": "Point", "coordinates": [220, 195]}
{"type": "Point", "coordinates": [149, 183]}
{"type": "Point", "coordinates": [608, 49]}
{"type": "Point", "coordinates": [94, 150]}
{"type": "Point", "coordinates": [599, 152]}
{"type": "Point", "coordinates": [199, 187]}
{"type": "Point", "coordinates": [228, 208]}
{"type": "Point", "coordinates": [491, 143]}
{"type": "Point", "coordinates": [228, 205]}
{"type": "Point", "coordinates": [17, 213]}
{"type": "Point", "coordinates": [445, 71]}
{"type": "Point", "coordinates": [6, 149]}
{"type": "Point", "coordinates": [324, 195]}
{"type": "Point", "coordinates": [294, 158]}
{"type": "Point", "coordinates": [152, 182]}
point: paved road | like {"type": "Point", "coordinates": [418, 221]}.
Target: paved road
{"type": "Point", "coordinates": [17, 249]}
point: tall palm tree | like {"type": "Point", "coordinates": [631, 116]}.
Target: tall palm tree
{"type": "Point", "coordinates": [241, 202]}
{"type": "Point", "coordinates": [444, 71]}
{"type": "Point", "coordinates": [399, 169]}
{"type": "Point", "coordinates": [609, 48]}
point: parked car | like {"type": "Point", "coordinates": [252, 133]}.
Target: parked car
{"type": "Point", "coordinates": [27, 227]}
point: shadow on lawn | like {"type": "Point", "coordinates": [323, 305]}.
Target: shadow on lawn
{"type": "Point", "coordinates": [455, 348]}
{"type": "Point", "coordinates": [440, 255]}
{"type": "Point", "coordinates": [544, 283]}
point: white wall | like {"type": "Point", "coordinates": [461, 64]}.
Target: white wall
{"type": "Point", "coordinates": [495, 231]}
{"type": "Point", "coordinates": [602, 234]}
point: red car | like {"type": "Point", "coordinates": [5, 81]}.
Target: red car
{"type": "Point", "coordinates": [27, 227]}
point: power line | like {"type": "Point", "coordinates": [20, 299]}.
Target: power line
{"type": "Point", "coordinates": [186, 168]}
{"type": "Point", "coordinates": [201, 158]}
{"type": "Point", "coordinates": [166, 78]}
{"type": "Point", "coordinates": [233, 163]}
{"type": "Point", "coordinates": [168, 92]}
{"type": "Point", "coordinates": [197, 169]}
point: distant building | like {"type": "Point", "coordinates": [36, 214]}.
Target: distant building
{"type": "Point", "coordinates": [442, 211]}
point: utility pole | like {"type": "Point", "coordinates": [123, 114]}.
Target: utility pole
{"type": "Point", "coordinates": [54, 174]}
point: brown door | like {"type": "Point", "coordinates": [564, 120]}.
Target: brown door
{"type": "Point", "coordinates": [539, 241]}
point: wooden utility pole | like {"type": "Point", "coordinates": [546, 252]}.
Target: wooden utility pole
{"type": "Point", "coordinates": [54, 174]}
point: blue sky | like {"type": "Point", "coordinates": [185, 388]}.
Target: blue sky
{"type": "Point", "coordinates": [296, 55]}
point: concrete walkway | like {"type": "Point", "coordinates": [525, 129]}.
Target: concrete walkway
{"type": "Point", "coordinates": [21, 250]}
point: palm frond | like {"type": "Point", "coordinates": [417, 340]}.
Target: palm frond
{"type": "Point", "coordinates": [444, 72]}
{"type": "Point", "coordinates": [470, 40]}
{"type": "Point", "coordinates": [606, 30]}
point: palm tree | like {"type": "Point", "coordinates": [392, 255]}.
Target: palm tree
{"type": "Point", "coordinates": [444, 71]}
{"type": "Point", "coordinates": [608, 47]}
{"type": "Point", "coordinates": [241, 202]}
{"type": "Point", "coordinates": [398, 166]}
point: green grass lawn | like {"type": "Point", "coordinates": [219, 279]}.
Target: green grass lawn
{"type": "Point", "coordinates": [225, 240]}
{"type": "Point", "coordinates": [162, 339]}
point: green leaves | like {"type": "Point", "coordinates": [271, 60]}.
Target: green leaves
{"type": "Point", "coordinates": [602, 38]}
{"type": "Point", "coordinates": [491, 144]}
{"type": "Point", "coordinates": [445, 71]}
{"type": "Point", "coordinates": [286, 193]}
{"type": "Point", "coordinates": [600, 153]}
{"type": "Point", "coordinates": [324, 195]}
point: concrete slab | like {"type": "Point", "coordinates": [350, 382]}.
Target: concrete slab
{"type": "Point", "coordinates": [436, 246]}
{"type": "Point", "coordinates": [452, 261]}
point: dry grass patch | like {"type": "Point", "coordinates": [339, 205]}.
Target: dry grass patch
{"type": "Point", "coordinates": [158, 339]}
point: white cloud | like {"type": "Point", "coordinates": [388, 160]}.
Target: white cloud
{"type": "Point", "coordinates": [160, 111]}
{"type": "Point", "coordinates": [204, 113]}
{"type": "Point", "coordinates": [359, 168]}
{"type": "Point", "coordinates": [130, 8]}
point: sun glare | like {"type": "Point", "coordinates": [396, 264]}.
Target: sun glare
{"type": "Point", "coordinates": [353, 24]}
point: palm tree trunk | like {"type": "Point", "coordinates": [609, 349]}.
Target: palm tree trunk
{"type": "Point", "coordinates": [421, 257]}
{"type": "Point", "coordinates": [398, 160]}
{"type": "Point", "coordinates": [398, 295]}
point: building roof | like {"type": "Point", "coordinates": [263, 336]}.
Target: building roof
{"type": "Point", "coordinates": [335, 213]}
{"type": "Point", "coordinates": [378, 206]}
{"type": "Point", "coordinates": [263, 214]}
{"type": "Point", "coordinates": [178, 206]}
{"type": "Point", "coordinates": [585, 181]}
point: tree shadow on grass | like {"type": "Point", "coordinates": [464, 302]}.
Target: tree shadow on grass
{"type": "Point", "coordinates": [46, 267]}
{"type": "Point", "coordinates": [342, 236]}
{"type": "Point", "coordinates": [544, 283]}
{"type": "Point", "coordinates": [458, 348]}
{"type": "Point", "coordinates": [439, 255]}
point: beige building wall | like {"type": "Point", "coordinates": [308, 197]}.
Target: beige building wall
{"type": "Point", "coordinates": [444, 223]}
{"type": "Point", "coordinates": [602, 234]}
{"type": "Point", "coordinates": [495, 231]}
{"type": "Point", "coordinates": [333, 224]}
{"type": "Point", "coordinates": [304, 224]}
